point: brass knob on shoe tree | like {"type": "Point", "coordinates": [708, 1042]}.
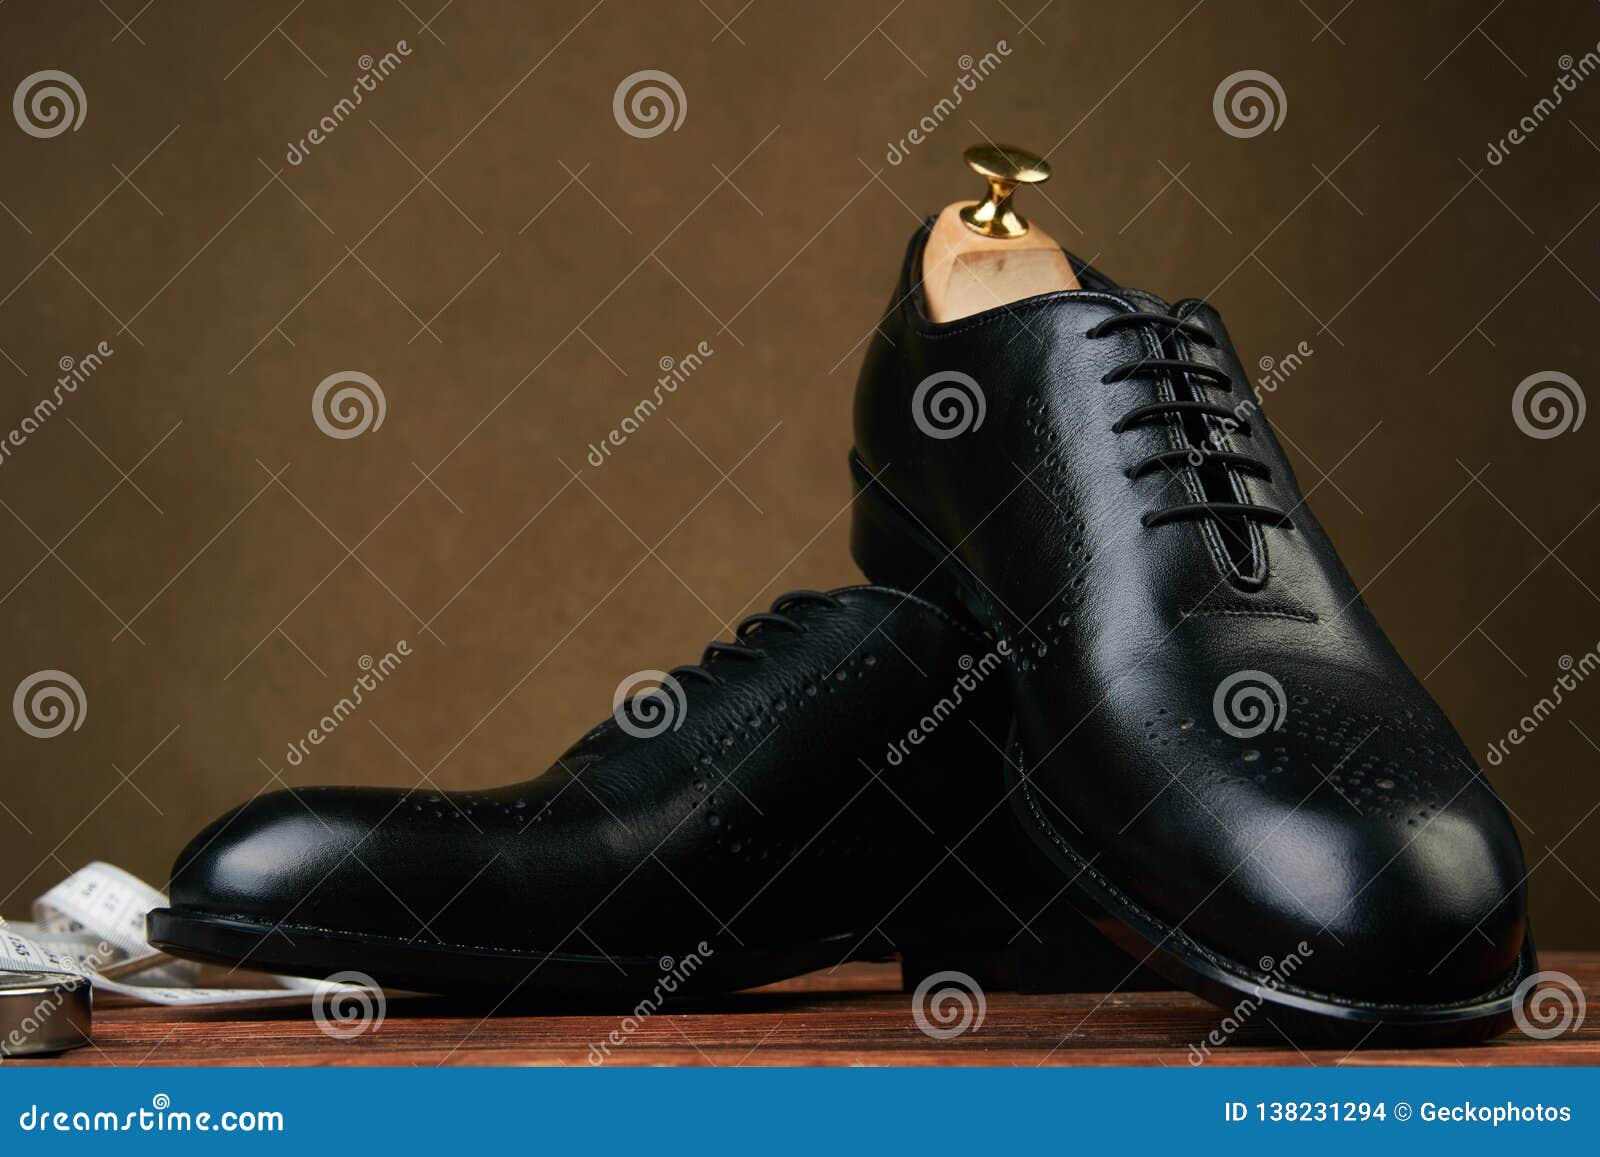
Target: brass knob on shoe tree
{"type": "Point", "coordinates": [1004, 167]}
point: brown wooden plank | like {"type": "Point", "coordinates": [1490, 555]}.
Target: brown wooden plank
{"type": "Point", "coordinates": [855, 1015]}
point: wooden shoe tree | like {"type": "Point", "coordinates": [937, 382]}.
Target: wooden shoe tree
{"type": "Point", "coordinates": [983, 254]}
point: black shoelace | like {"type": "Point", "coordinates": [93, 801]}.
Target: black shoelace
{"type": "Point", "coordinates": [740, 648]}
{"type": "Point", "coordinates": [1186, 408]}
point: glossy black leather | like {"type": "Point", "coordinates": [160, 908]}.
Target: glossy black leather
{"type": "Point", "coordinates": [771, 814]}
{"type": "Point", "coordinates": [1362, 826]}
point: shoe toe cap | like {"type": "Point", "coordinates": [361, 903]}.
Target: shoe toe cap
{"type": "Point", "coordinates": [283, 854]}
{"type": "Point", "coordinates": [1352, 832]}
{"type": "Point", "coordinates": [1425, 909]}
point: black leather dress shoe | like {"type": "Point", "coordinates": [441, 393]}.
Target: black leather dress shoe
{"type": "Point", "coordinates": [826, 787]}
{"type": "Point", "coordinates": [1215, 741]}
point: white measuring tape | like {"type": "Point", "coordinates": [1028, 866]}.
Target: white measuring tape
{"type": "Point", "coordinates": [91, 925]}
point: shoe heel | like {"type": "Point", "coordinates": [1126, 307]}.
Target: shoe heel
{"type": "Point", "coordinates": [893, 551]}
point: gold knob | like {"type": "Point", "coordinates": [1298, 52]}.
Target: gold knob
{"type": "Point", "coordinates": [1004, 167]}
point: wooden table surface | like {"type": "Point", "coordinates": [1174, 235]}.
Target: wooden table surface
{"type": "Point", "coordinates": [855, 1015]}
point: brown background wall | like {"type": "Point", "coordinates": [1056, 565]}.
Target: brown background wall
{"type": "Point", "coordinates": [483, 239]}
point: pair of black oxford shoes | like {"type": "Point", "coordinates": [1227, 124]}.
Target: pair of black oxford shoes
{"type": "Point", "coordinates": [1113, 712]}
